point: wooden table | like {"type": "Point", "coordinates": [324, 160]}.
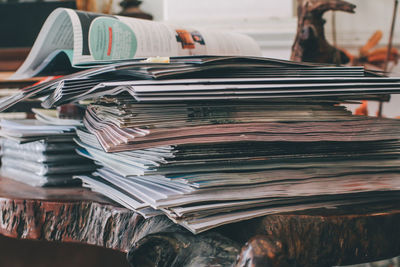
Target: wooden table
{"type": "Point", "coordinates": [323, 237]}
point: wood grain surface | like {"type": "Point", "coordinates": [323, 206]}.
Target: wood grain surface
{"type": "Point", "coordinates": [322, 237]}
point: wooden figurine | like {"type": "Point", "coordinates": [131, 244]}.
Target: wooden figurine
{"type": "Point", "coordinates": [310, 44]}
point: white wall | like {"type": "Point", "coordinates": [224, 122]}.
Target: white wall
{"type": "Point", "coordinates": [218, 10]}
{"type": "Point", "coordinates": [222, 10]}
{"type": "Point", "coordinates": [353, 30]}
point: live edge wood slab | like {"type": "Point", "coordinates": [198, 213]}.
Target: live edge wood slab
{"type": "Point", "coordinates": [322, 237]}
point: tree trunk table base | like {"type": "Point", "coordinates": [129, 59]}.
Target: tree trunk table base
{"type": "Point", "coordinates": [322, 237]}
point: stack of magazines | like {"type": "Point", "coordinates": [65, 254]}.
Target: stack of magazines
{"type": "Point", "coordinates": [222, 139]}
{"type": "Point", "coordinates": [41, 154]}
{"type": "Point", "coordinates": [208, 140]}
{"type": "Point", "coordinates": [205, 164]}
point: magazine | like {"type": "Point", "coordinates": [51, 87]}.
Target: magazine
{"type": "Point", "coordinates": [85, 39]}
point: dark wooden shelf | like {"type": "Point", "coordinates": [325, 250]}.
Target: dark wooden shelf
{"type": "Point", "coordinates": [12, 58]}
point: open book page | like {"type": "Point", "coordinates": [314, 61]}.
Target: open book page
{"type": "Point", "coordinates": [56, 35]}
{"type": "Point", "coordinates": [88, 39]}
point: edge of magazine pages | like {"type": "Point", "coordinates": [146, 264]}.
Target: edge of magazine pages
{"type": "Point", "coordinates": [88, 39]}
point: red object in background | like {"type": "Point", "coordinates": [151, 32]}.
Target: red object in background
{"type": "Point", "coordinates": [46, 79]}
{"type": "Point", "coordinates": [362, 109]}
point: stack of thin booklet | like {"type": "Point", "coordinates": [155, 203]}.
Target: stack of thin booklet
{"type": "Point", "coordinates": [206, 164]}
{"type": "Point", "coordinates": [41, 154]}
{"type": "Point", "coordinates": [209, 78]}
{"type": "Point", "coordinates": [214, 140]}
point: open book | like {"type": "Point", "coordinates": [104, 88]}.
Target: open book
{"type": "Point", "coordinates": [88, 39]}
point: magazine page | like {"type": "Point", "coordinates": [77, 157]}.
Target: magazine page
{"type": "Point", "coordinates": [56, 36]}
{"type": "Point", "coordinates": [89, 39]}
{"type": "Point", "coordinates": [108, 38]}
